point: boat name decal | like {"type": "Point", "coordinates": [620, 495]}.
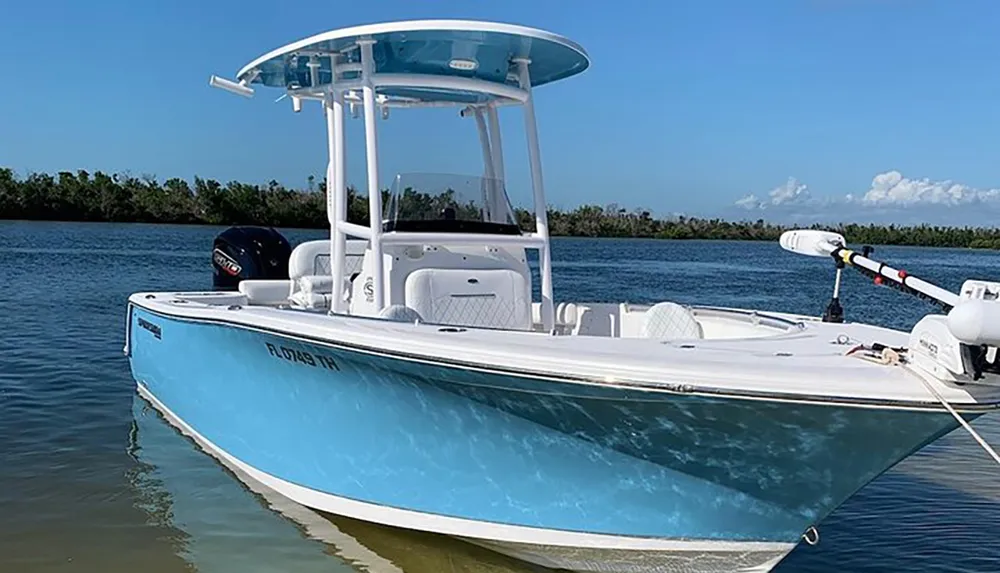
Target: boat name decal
{"type": "Point", "coordinates": [150, 327]}
{"type": "Point", "coordinates": [226, 262]}
{"type": "Point", "coordinates": [301, 357]}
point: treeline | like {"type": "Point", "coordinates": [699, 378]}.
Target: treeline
{"type": "Point", "coordinates": [82, 196]}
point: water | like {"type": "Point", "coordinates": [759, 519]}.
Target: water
{"type": "Point", "coordinates": [91, 479]}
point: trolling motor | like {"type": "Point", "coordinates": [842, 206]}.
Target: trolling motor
{"type": "Point", "coordinates": [962, 343]}
{"type": "Point", "coordinates": [826, 244]}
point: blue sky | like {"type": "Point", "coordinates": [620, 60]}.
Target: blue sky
{"type": "Point", "coordinates": [810, 109]}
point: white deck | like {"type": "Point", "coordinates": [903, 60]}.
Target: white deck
{"type": "Point", "coordinates": [803, 363]}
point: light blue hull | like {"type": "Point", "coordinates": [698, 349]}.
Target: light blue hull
{"type": "Point", "coordinates": [517, 451]}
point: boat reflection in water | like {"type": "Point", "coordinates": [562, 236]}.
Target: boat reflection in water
{"type": "Point", "coordinates": [220, 526]}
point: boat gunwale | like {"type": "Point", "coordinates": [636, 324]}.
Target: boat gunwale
{"type": "Point", "coordinates": [678, 389]}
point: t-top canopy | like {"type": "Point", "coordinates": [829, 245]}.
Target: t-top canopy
{"type": "Point", "coordinates": [453, 48]}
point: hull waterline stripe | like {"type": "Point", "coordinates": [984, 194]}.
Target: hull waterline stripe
{"type": "Point", "coordinates": [675, 389]}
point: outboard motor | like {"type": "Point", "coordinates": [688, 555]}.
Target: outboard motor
{"type": "Point", "coordinates": [241, 253]}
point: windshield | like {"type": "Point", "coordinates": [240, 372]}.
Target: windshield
{"type": "Point", "coordinates": [444, 203]}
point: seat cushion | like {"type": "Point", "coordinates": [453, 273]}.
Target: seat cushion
{"type": "Point", "coordinates": [495, 298]}
{"type": "Point", "coordinates": [671, 321]}
{"type": "Point", "coordinates": [266, 291]}
{"type": "Point", "coordinates": [400, 313]}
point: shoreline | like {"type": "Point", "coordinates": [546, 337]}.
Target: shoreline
{"type": "Point", "coordinates": [689, 238]}
{"type": "Point", "coordinates": [82, 197]}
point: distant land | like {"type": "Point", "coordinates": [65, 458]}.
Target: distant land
{"type": "Point", "coordinates": [82, 196]}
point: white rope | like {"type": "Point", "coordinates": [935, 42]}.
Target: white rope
{"type": "Point", "coordinates": [961, 420]}
{"type": "Point", "coordinates": [890, 356]}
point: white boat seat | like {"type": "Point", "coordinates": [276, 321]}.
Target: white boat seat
{"type": "Point", "coordinates": [400, 313]}
{"type": "Point", "coordinates": [670, 321]}
{"type": "Point", "coordinates": [489, 298]}
{"type": "Point", "coordinates": [312, 258]}
{"type": "Point", "coordinates": [317, 284]}
{"type": "Point", "coordinates": [309, 258]}
{"type": "Point", "coordinates": [265, 292]}
{"type": "Point", "coordinates": [311, 285]}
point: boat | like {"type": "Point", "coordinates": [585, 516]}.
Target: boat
{"type": "Point", "coordinates": [414, 373]}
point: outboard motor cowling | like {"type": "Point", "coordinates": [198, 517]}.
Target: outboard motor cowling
{"type": "Point", "coordinates": [241, 253]}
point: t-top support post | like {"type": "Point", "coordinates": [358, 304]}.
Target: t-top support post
{"type": "Point", "coordinates": [336, 193]}
{"type": "Point", "coordinates": [371, 155]}
{"type": "Point", "coordinates": [489, 192]}
{"type": "Point", "coordinates": [497, 153]}
{"type": "Point", "coordinates": [541, 217]}
{"type": "Point", "coordinates": [332, 198]}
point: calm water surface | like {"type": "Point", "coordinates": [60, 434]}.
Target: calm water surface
{"type": "Point", "coordinates": [92, 479]}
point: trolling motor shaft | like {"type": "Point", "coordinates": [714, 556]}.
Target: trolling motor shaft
{"type": "Point", "coordinates": [834, 311]}
{"type": "Point", "coordinates": [898, 279]}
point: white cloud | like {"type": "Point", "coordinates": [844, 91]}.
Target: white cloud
{"type": "Point", "coordinates": [750, 202]}
{"type": "Point", "coordinates": [889, 189]}
{"type": "Point", "coordinates": [791, 193]}
{"type": "Point", "coordinates": [891, 198]}
{"type": "Point", "coordinates": [892, 189]}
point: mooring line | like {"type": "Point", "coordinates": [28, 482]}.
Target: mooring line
{"type": "Point", "coordinates": [927, 384]}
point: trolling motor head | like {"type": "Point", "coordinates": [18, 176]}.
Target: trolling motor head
{"type": "Point", "coordinates": [815, 243]}
{"type": "Point", "coordinates": [811, 242]}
